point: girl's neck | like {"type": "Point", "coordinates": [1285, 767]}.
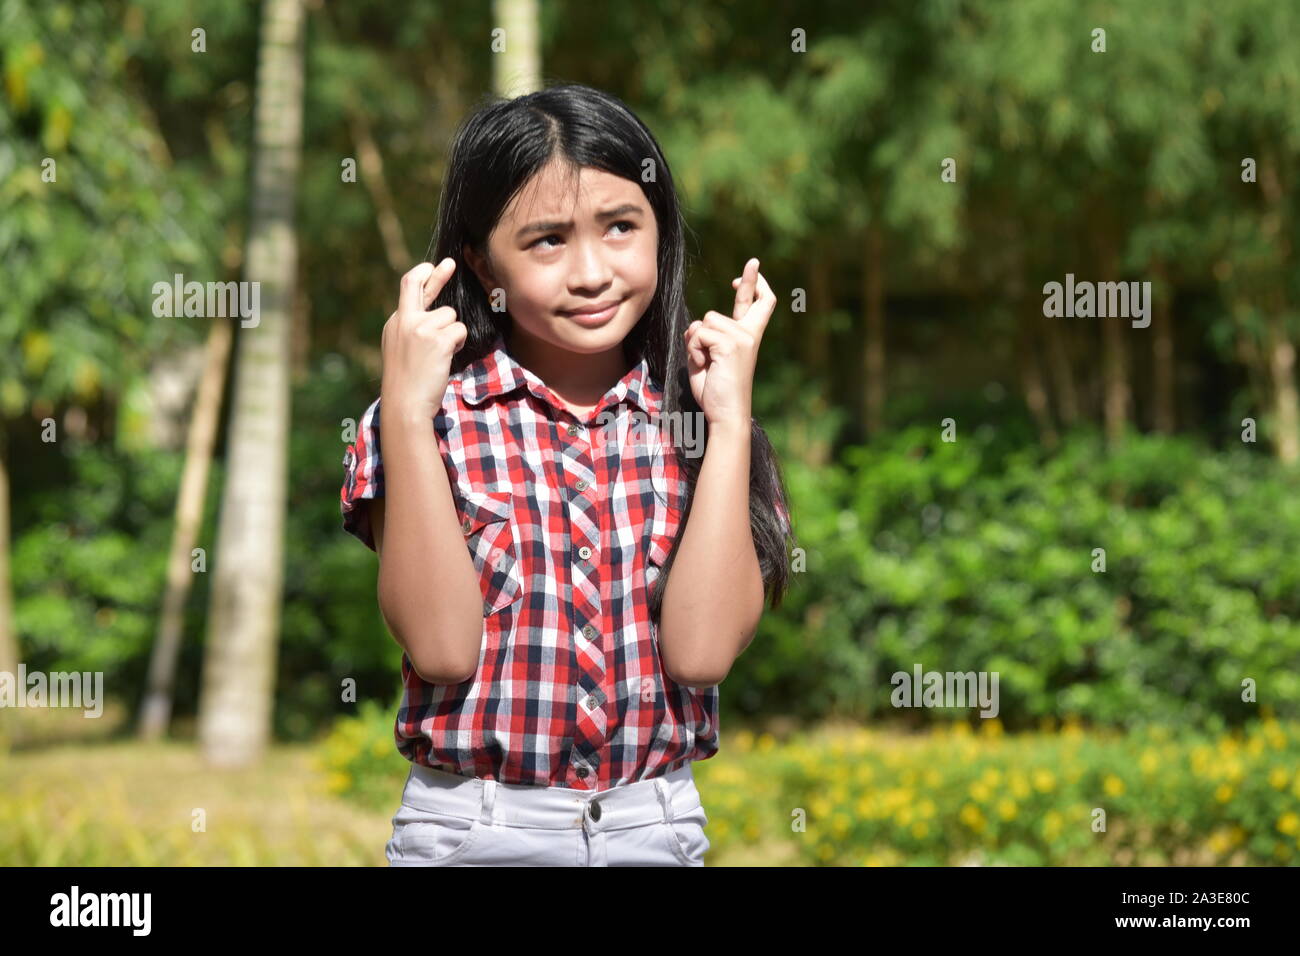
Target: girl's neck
{"type": "Point", "coordinates": [579, 379]}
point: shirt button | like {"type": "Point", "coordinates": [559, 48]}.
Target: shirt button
{"type": "Point", "coordinates": [581, 484]}
{"type": "Point", "coordinates": [573, 430]}
{"type": "Point", "coordinates": [595, 810]}
{"type": "Point", "coordinates": [589, 632]}
{"type": "Point", "coordinates": [591, 701]}
{"type": "Point", "coordinates": [465, 526]}
{"type": "Point", "coordinates": [582, 773]}
{"type": "Point", "coordinates": [584, 552]}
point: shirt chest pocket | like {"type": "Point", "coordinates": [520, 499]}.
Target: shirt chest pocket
{"type": "Point", "coordinates": [485, 522]}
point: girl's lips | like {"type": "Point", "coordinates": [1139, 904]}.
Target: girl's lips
{"type": "Point", "coordinates": [591, 319]}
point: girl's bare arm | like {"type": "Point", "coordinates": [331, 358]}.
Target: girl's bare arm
{"type": "Point", "coordinates": [428, 586]}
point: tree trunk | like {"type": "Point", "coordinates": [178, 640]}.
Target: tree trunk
{"type": "Point", "coordinates": [873, 296]}
{"type": "Point", "coordinates": [518, 68]}
{"type": "Point", "coordinates": [1286, 405]}
{"type": "Point", "coordinates": [1163, 384]}
{"type": "Point", "coordinates": [156, 709]}
{"type": "Point", "coordinates": [1062, 374]}
{"type": "Point", "coordinates": [371, 162]}
{"type": "Point", "coordinates": [8, 633]}
{"type": "Point", "coordinates": [239, 667]}
{"type": "Point", "coordinates": [1281, 350]}
{"type": "Point", "coordinates": [1116, 395]}
{"type": "Point", "coordinates": [1031, 376]}
{"type": "Point", "coordinates": [812, 447]}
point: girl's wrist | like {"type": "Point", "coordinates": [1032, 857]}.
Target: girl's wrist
{"type": "Point", "coordinates": [730, 429]}
{"type": "Point", "coordinates": [398, 412]}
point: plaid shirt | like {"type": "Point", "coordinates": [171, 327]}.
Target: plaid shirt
{"type": "Point", "coordinates": [568, 524]}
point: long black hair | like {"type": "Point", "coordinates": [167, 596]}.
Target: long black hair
{"type": "Point", "coordinates": [497, 149]}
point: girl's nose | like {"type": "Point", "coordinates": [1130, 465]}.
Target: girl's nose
{"type": "Point", "coordinates": [590, 270]}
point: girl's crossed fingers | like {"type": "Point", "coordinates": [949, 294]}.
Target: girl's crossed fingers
{"type": "Point", "coordinates": [758, 309]}
{"type": "Point", "coordinates": [422, 285]}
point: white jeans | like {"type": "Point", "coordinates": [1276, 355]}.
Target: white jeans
{"type": "Point", "coordinates": [449, 820]}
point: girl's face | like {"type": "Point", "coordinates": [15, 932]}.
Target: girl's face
{"type": "Point", "coordinates": [556, 251]}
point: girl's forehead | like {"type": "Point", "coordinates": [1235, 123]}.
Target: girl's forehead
{"type": "Point", "coordinates": [556, 190]}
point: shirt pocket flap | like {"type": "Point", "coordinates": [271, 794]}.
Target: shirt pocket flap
{"type": "Point", "coordinates": [479, 508]}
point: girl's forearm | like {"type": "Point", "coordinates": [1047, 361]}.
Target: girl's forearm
{"type": "Point", "coordinates": [428, 587]}
{"type": "Point", "coordinates": [714, 594]}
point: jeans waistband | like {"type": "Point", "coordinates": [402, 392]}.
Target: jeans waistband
{"type": "Point", "coordinates": [629, 805]}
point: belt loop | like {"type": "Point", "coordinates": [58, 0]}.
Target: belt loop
{"type": "Point", "coordinates": [489, 801]}
{"type": "Point", "coordinates": [665, 799]}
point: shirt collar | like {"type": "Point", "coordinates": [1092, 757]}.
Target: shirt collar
{"type": "Point", "coordinates": [497, 373]}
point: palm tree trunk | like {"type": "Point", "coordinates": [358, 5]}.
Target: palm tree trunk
{"type": "Point", "coordinates": [244, 617]}
{"type": "Point", "coordinates": [156, 709]}
{"type": "Point", "coordinates": [518, 68]}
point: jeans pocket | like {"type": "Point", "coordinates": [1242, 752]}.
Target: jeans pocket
{"type": "Point", "coordinates": [426, 838]}
{"type": "Point", "coordinates": [689, 841]}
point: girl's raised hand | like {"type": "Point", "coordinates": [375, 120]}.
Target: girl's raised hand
{"type": "Point", "coordinates": [721, 351]}
{"type": "Point", "coordinates": [418, 345]}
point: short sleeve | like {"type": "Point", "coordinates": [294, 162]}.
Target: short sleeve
{"type": "Point", "coordinates": [363, 477]}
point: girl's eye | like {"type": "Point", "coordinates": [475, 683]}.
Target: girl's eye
{"type": "Point", "coordinates": [622, 222]}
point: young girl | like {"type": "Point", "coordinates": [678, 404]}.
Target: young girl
{"type": "Point", "coordinates": [532, 497]}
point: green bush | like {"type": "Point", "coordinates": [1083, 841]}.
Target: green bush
{"type": "Point", "coordinates": [968, 556]}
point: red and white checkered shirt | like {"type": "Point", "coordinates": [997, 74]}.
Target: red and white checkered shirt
{"type": "Point", "coordinates": [568, 523]}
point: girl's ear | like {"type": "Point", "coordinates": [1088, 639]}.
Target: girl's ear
{"type": "Point", "coordinates": [480, 267]}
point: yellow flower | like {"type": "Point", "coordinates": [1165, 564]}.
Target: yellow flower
{"type": "Point", "coordinates": [932, 778]}
{"type": "Point", "coordinates": [1044, 780]}
{"type": "Point", "coordinates": [1150, 762]}
{"type": "Point", "coordinates": [1219, 842]}
{"type": "Point", "coordinates": [766, 743]}
{"type": "Point", "coordinates": [1052, 823]}
{"type": "Point", "coordinates": [991, 726]}
{"type": "Point", "coordinates": [743, 741]}
{"type": "Point", "coordinates": [1113, 785]}
{"type": "Point", "coordinates": [926, 808]}
{"type": "Point", "coordinates": [904, 816]}
{"type": "Point", "coordinates": [1223, 793]}
{"type": "Point", "coordinates": [971, 816]}
{"type": "Point", "coordinates": [1019, 785]}
{"type": "Point", "coordinates": [1278, 778]}
{"type": "Point", "coordinates": [920, 829]}
{"type": "Point", "coordinates": [979, 791]}
{"type": "Point", "coordinates": [992, 777]}
{"type": "Point", "coordinates": [1007, 809]}
{"type": "Point", "coordinates": [1289, 823]}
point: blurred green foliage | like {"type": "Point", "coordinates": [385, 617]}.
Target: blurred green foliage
{"type": "Point", "coordinates": [978, 555]}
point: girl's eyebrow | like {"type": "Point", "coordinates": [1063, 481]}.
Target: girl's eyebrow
{"type": "Point", "coordinates": [622, 210]}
